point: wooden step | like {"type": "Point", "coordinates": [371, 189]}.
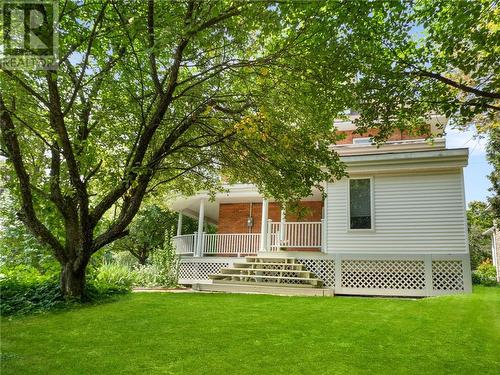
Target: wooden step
{"type": "Point", "coordinates": [280, 290]}
{"type": "Point", "coordinates": [257, 259]}
{"type": "Point", "coordinates": [275, 279]}
{"type": "Point", "coordinates": [260, 283]}
{"type": "Point", "coordinates": [282, 266]}
{"type": "Point", "coordinates": [258, 271]}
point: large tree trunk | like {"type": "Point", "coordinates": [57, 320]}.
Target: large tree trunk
{"type": "Point", "coordinates": [73, 280]}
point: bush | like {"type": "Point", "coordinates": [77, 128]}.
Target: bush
{"type": "Point", "coordinates": [112, 277]}
{"type": "Point", "coordinates": [24, 290]}
{"type": "Point", "coordinates": [147, 276]}
{"type": "Point", "coordinates": [485, 274]}
{"type": "Point", "coordinates": [476, 279]}
{"type": "Point", "coordinates": [167, 262]}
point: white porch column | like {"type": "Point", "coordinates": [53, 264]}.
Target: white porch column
{"type": "Point", "coordinates": [199, 241]}
{"type": "Point", "coordinates": [324, 229]}
{"type": "Point", "coordinates": [282, 225]}
{"type": "Point", "coordinates": [179, 224]}
{"type": "Point", "coordinates": [263, 224]}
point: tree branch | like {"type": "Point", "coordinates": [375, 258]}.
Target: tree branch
{"type": "Point", "coordinates": [460, 86]}
{"type": "Point", "coordinates": [28, 216]}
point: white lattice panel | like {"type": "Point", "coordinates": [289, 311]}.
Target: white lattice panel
{"type": "Point", "coordinates": [324, 269]}
{"type": "Point", "coordinates": [199, 270]}
{"type": "Point", "coordinates": [383, 274]}
{"type": "Point", "coordinates": [447, 275]}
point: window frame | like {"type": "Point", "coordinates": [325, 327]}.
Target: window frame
{"type": "Point", "coordinates": [372, 205]}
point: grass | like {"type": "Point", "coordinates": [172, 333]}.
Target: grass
{"type": "Point", "coordinates": [147, 333]}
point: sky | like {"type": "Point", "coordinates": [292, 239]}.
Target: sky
{"type": "Point", "coordinates": [475, 174]}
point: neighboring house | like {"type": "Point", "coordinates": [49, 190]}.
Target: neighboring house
{"type": "Point", "coordinates": [494, 232]}
{"type": "Point", "coordinates": [396, 226]}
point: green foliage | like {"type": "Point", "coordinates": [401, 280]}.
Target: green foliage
{"type": "Point", "coordinates": [167, 97]}
{"type": "Point", "coordinates": [24, 290]}
{"type": "Point", "coordinates": [147, 231]}
{"type": "Point", "coordinates": [493, 156]}
{"type": "Point", "coordinates": [167, 262]}
{"type": "Point", "coordinates": [147, 276]}
{"type": "Point", "coordinates": [18, 246]}
{"type": "Point", "coordinates": [479, 219]}
{"type": "Point", "coordinates": [485, 274]}
{"type": "Point", "coordinates": [114, 276]}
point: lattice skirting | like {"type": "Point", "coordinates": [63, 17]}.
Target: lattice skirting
{"type": "Point", "coordinates": [324, 269]}
{"type": "Point", "coordinates": [364, 274]}
{"type": "Point", "coordinates": [197, 270]}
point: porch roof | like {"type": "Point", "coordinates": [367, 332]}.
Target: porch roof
{"type": "Point", "coordinates": [238, 193]}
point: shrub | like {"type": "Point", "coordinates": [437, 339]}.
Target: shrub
{"type": "Point", "coordinates": [22, 295]}
{"type": "Point", "coordinates": [485, 274]}
{"type": "Point", "coordinates": [24, 290]}
{"type": "Point", "coordinates": [124, 258]}
{"type": "Point", "coordinates": [147, 275]}
{"type": "Point", "coordinates": [167, 262]}
{"type": "Point", "coordinates": [476, 279]}
{"type": "Point", "coordinates": [112, 277]}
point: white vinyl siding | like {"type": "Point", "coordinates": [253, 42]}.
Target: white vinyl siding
{"type": "Point", "coordinates": [414, 213]}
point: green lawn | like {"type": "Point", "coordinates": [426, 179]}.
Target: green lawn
{"type": "Point", "coordinates": [254, 334]}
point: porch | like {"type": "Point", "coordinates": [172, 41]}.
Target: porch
{"type": "Point", "coordinates": [243, 223]}
{"type": "Point", "coordinates": [277, 236]}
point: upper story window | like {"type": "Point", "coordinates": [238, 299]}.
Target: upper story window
{"type": "Point", "coordinates": [361, 141]}
{"type": "Point", "coordinates": [360, 203]}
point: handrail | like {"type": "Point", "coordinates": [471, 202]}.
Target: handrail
{"type": "Point", "coordinates": [231, 243]}
{"type": "Point", "coordinates": [184, 243]}
{"type": "Point", "coordinates": [295, 234]}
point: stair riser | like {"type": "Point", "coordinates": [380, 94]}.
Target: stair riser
{"type": "Point", "coordinates": [281, 266]}
{"type": "Point", "coordinates": [269, 272]}
{"type": "Point", "coordinates": [266, 280]}
{"type": "Point", "coordinates": [284, 285]}
{"type": "Point", "coordinates": [288, 273]}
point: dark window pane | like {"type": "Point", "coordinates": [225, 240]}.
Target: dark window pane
{"type": "Point", "coordinates": [360, 204]}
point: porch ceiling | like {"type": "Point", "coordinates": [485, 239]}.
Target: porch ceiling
{"type": "Point", "coordinates": [240, 193]}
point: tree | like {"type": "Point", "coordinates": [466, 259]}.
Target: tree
{"type": "Point", "coordinates": [176, 94]}
{"type": "Point", "coordinates": [423, 57]}
{"type": "Point", "coordinates": [164, 92]}
{"type": "Point", "coordinates": [147, 232]}
{"type": "Point", "coordinates": [479, 219]}
{"type": "Point", "coordinates": [493, 156]}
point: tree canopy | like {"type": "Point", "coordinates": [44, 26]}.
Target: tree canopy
{"type": "Point", "coordinates": [188, 94]}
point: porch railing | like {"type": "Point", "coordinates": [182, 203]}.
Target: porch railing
{"type": "Point", "coordinates": [231, 243]}
{"type": "Point", "coordinates": [185, 244]}
{"type": "Point", "coordinates": [294, 235]}
{"type": "Point", "coordinates": [279, 235]}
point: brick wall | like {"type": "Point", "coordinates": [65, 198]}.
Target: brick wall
{"type": "Point", "coordinates": [233, 216]}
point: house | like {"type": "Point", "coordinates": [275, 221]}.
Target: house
{"type": "Point", "coordinates": [495, 246]}
{"type": "Point", "coordinates": [396, 226]}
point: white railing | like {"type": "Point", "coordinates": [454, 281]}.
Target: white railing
{"type": "Point", "coordinates": [294, 235]}
{"type": "Point", "coordinates": [280, 235]}
{"type": "Point", "coordinates": [185, 244]}
{"type": "Point", "coordinates": [231, 243]}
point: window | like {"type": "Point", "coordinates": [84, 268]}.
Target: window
{"type": "Point", "coordinates": [360, 203]}
{"type": "Point", "coordinates": [361, 141]}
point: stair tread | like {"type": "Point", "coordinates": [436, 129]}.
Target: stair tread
{"type": "Point", "coordinates": [263, 270]}
{"type": "Point", "coordinates": [263, 277]}
{"type": "Point", "coordinates": [250, 271]}
{"type": "Point", "coordinates": [264, 259]}
{"type": "Point", "coordinates": [269, 264]}
{"type": "Point", "coordinates": [238, 282]}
